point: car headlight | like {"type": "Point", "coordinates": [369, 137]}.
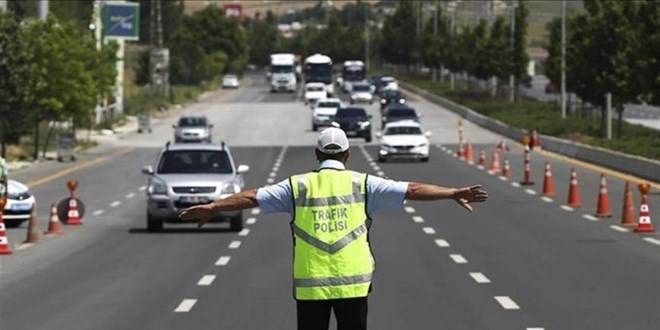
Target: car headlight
{"type": "Point", "coordinates": [383, 101]}
{"type": "Point", "coordinates": [230, 188]}
{"type": "Point", "coordinates": [402, 101]}
{"type": "Point", "coordinates": [157, 187]}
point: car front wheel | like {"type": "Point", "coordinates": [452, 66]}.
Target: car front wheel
{"type": "Point", "coordinates": [154, 224]}
{"type": "Point", "coordinates": [236, 223]}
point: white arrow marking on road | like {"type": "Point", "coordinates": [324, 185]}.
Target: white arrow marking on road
{"type": "Point", "coordinates": [223, 261]}
{"type": "Point", "coordinates": [458, 258]}
{"type": "Point", "coordinates": [652, 240]}
{"type": "Point", "coordinates": [234, 244]}
{"type": "Point", "coordinates": [130, 195]}
{"type": "Point", "coordinates": [410, 209]}
{"type": "Point", "coordinates": [206, 280]}
{"type": "Point", "coordinates": [480, 278]}
{"type": "Point", "coordinates": [185, 306]}
{"type": "Point", "coordinates": [251, 221]}
{"type": "Point", "coordinates": [429, 230]}
{"type": "Point", "coordinates": [255, 211]}
{"type": "Point", "coordinates": [115, 204]}
{"type": "Point", "coordinates": [98, 212]}
{"type": "Point", "coordinates": [441, 243]}
{"type": "Point", "coordinates": [506, 302]}
{"type": "Point", "coordinates": [619, 229]}
{"type": "Point", "coordinates": [244, 232]}
{"type": "Point", "coordinates": [418, 219]}
{"type": "Point", "coordinates": [589, 217]}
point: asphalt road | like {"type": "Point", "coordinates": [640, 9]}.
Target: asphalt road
{"type": "Point", "coordinates": [517, 262]}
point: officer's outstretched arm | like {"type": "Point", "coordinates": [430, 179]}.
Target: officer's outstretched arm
{"type": "Point", "coordinates": [463, 196]}
{"type": "Point", "coordinates": [203, 213]}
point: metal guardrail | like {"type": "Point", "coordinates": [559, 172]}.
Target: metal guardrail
{"type": "Point", "coordinates": [638, 166]}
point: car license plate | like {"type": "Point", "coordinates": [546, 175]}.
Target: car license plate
{"type": "Point", "coordinates": [20, 207]}
{"type": "Point", "coordinates": [193, 199]}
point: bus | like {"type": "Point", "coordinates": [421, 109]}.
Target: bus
{"type": "Point", "coordinates": [352, 71]}
{"type": "Point", "coordinates": [318, 68]}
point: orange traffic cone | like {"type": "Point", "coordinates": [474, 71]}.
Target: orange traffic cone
{"type": "Point", "coordinates": [644, 224]}
{"type": "Point", "coordinates": [548, 182]}
{"type": "Point", "coordinates": [4, 243]}
{"type": "Point", "coordinates": [574, 191]}
{"type": "Point", "coordinates": [506, 171]}
{"type": "Point", "coordinates": [461, 151]}
{"type": "Point", "coordinates": [482, 158]}
{"type": "Point", "coordinates": [503, 146]}
{"type": "Point", "coordinates": [603, 209]}
{"type": "Point", "coordinates": [536, 142]}
{"type": "Point", "coordinates": [495, 164]}
{"type": "Point", "coordinates": [527, 180]}
{"type": "Point", "coordinates": [628, 216]}
{"type": "Point", "coordinates": [32, 234]}
{"type": "Point", "coordinates": [73, 216]}
{"type": "Point", "coordinates": [54, 223]}
{"type": "Point", "coordinates": [469, 157]}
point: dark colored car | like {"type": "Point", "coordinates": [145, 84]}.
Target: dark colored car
{"type": "Point", "coordinates": [354, 121]}
{"type": "Point", "coordinates": [391, 97]}
{"type": "Point", "coordinates": [397, 112]}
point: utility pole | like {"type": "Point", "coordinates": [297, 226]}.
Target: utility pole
{"type": "Point", "coordinates": [159, 59]}
{"type": "Point", "coordinates": [3, 5]}
{"type": "Point", "coordinates": [563, 59]}
{"type": "Point", "coordinates": [43, 9]}
{"type": "Point", "coordinates": [512, 78]}
{"type": "Point", "coordinates": [366, 36]}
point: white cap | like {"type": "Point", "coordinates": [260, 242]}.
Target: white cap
{"type": "Point", "coordinates": [332, 140]}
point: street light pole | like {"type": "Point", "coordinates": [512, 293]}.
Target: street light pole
{"type": "Point", "coordinates": [563, 59]}
{"type": "Point", "coordinates": [512, 78]}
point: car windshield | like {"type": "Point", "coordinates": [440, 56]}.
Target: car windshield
{"type": "Point", "coordinates": [315, 88]}
{"type": "Point", "coordinates": [361, 88]}
{"type": "Point", "coordinates": [401, 113]}
{"type": "Point", "coordinates": [392, 95]}
{"type": "Point", "coordinates": [387, 79]}
{"type": "Point", "coordinates": [230, 77]}
{"type": "Point", "coordinates": [403, 130]}
{"type": "Point", "coordinates": [192, 122]}
{"type": "Point", "coordinates": [194, 162]}
{"type": "Point", "coordinates": [327, 105]}
{"type": "Point", "coordinates": [351, 112]}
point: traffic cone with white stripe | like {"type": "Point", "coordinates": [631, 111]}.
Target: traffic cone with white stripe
{"type": "Point", "coordinates": [503, 146]}
{"type": "Point", "coordinates": [527, 180]}
{"type": "Point", "coordinates": [4, 243]}
{"type": "Point", "coordinates": [469, 156]}
{"type": "Point", "coordinates": [603, 209]}
{"type": "Point", "coordinates": [54, 227]}
{"type": "Point", "coordinates": [73, 216]}
{"type": "Point", "coordinates": [548, 182]}
{"type": "Point", "coordinates": [506, 171]}
{"type": "Point", "coordinates": [628, 214]}
{"type": "Point", "coordinates": [495, 164]}
{"type": "Point", "coordinates": [482, 159]}
{"type": "Point", "coordinates": [536, 142]}
{"type": "Point", "coordinates": [644, 224]}
{"type": "Point", "coordinates": [574, 191]}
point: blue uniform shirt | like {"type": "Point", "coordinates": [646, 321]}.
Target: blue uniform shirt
{"type": "Point", "coordinates": [383, 194]}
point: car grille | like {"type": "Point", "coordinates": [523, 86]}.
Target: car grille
{"type": "Point", "coordinates": [20, 196]}
{"type": "Point", "coordinates": [193, 190]}
{"type": "Point", "coordinates": [407, 147]}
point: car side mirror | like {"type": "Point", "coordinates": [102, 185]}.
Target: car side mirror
{"type": "Point", "coordinates": [379, 135]}
{"type": "Point", "coordinates": [428, 134]}
{"type": "Point", "coordinates": [149, 170]}
{"type": "Point", "coordinates": [242, 169]}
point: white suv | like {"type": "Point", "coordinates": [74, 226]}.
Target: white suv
{"type": "Point", "coordinates": [314, 91]}
{"type": "Point", "coordinates": [323, 112]}
{"type": "Point", "coordinates": [191, 174]}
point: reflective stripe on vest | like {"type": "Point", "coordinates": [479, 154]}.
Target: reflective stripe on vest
{"type": "Point", "coordinates": [332, 258]}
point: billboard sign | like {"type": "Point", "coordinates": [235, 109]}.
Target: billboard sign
{"type": "Point", "coordinates": [233, 10]}
{"type": "Point", "coordinates": [121, 20]}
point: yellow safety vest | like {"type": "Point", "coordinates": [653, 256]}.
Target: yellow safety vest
{"type": "Point", "coordinates": [332, 258]}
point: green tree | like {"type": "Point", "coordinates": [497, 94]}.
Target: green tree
{"type": "Point", "coordinates": [262, 37]}
{"type": "Point", "coordinates": [519, 57]}
{"type": "Point", "coordinates": [399, 31]}
{"type": "Point", "coordinates": [649, 23]}
{"type": "Point", "coordinates": [553, 62]}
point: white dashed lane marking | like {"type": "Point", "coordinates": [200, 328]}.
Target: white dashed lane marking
{"type": "Point", "coordinates": [223, 261]}
{"type": "Point", "coordinates": [530, 191]}
{"type": "Point", "coordinates": [244, 232]}
{"type": "Point", "coordinates": [255, 211]}
{"type": "Point", "coordinates": [143, 188]}
{"type": "Point", "coordinates": [410, 209]}
{"type": "Point", "coordinates": [429, 230]}
{"type": "Point", "coordinates": [380, 173]}
{"type": "Point", "coordinates": [441, 243]}
{"type": "Point", "coordinates": [458, 258]}
{"type": "Point", "coordinates": [619, 229]}
{"type": "Point", "coordinates": [547, 199]}
{"type": "Point", "coordinates": [535, 329]}
{"type": "Point", "coordinates": [98, 212]}
{"type": "Point", "coordinates": [115, 204]}
{"type": "Point", "coordinates": [506, 302]}
{"type": "Point", "coordinates": [567, 208]}
{"type": "Point", "coordinates": [251, 221]}
{"type": "Point", "coordinates": [234, 244]}
{"type": "Point", "coordinates": [589, 217]}
{"type": "Point", "coordinates": [480, 278]}
{"type": "Point", "coordinates": [206, 280]}
{"type": "Point", "coordinates": [272, 174]}
{"type": "Point", "coordinates": [130, 195]}
{"type": "Point", "coordinates": [652, 240]}
{"type": "Point", "coordinates": [515, 184]}
{"type": "Point", "coordinates": [186, 305]}
{"type": "Point", "coordinates": [418, 219]}
{"type": "Point", "coordinates": [270, 180]}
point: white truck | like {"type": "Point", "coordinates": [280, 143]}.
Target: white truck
{"type": "Point", "coordinates": [318, 68]}
{"type": "Point", "coordinates": [282, 72]}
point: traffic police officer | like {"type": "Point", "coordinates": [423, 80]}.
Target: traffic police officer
{"type": "Point", "coordinates": [333, 265]}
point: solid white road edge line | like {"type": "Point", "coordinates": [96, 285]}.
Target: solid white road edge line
{"type": "Point", "coordinates": [206, 280]}
{"type": "Point", "coordinates": [458, 258]}
{"type": "Point", "coordinates": [480, 278]}
{"type": "Point", "coordinates": [506, 302]}
{"type": "Point", "coordinates": [223, 261]}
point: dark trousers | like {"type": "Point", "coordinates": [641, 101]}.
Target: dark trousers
{"type": "Point", "coordinates": [351, 314]}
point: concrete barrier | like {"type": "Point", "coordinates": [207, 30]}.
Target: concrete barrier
{"type": "Point", "coordinates": [644, 168]}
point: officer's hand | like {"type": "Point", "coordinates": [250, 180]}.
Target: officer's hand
{"type": "Point", "coordinates": [473, 194]}
{"type": "Point", "coordinates": [201, 213]}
